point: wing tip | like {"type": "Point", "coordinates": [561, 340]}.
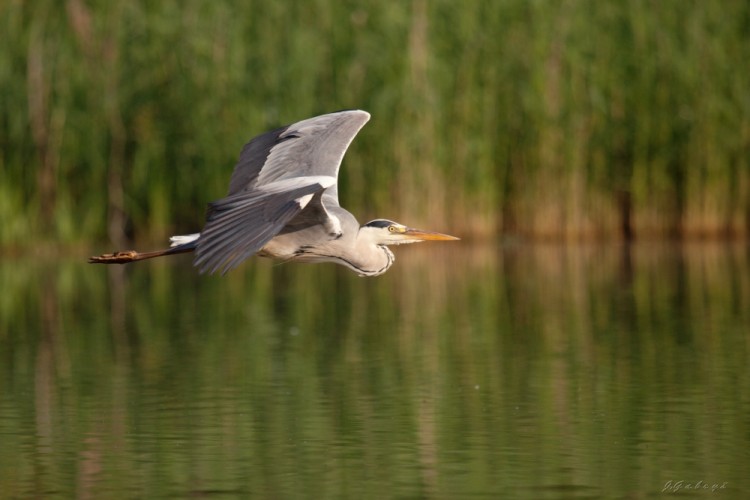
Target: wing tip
{"type": "Point", "coordinates": [355, 112]}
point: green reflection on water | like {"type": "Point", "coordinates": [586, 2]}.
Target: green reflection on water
{"type": "Point", "coordinates": [526, 372]}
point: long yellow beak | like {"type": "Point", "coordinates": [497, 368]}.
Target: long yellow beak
{"type": "Point", "coordinates": [418, 234]}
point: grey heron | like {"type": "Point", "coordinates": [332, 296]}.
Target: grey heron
{"type": "Point", "coordinates": [283, 203]}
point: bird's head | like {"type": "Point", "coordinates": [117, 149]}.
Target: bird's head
{"type": "Point", "coordinates": [387, 232]}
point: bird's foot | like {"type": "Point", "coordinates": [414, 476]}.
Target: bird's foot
{"type": "Point", "coordinates": [115, 258]}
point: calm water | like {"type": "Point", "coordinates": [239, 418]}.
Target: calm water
{"type": "Point", "coordinates": [465, 372]}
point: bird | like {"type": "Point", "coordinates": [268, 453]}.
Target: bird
{"type": "Point", "coordinates": [283, 203]}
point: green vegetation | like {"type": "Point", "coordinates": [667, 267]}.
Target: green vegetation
{"type": "Point", "coordinates": [123, 118]}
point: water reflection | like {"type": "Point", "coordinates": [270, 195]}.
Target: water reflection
{"type": "Point", "coordinates": [513, 371]}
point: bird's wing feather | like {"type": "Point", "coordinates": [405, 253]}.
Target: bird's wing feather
{"type": "Point", "coordinates": [239, 225]}
{"type": "Point", "coordinates": [310, 147]}
{"type": "Point", "coordinates": [251, 161]}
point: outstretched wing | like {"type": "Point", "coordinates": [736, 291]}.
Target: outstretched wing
{"type": "Point", "coordinates": [314, 146]}
{"type": "Point", "coordinates": [277, 175]}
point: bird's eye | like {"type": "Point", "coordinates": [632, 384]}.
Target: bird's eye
{"type": "Point", "coordinates": [391, 229]}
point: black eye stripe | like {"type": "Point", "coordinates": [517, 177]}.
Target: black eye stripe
{"type": "Point", "coordinates": [383, 223]}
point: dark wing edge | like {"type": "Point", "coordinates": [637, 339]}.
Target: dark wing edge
{"type": "Point", "coordinates": [252, 158]}
{"type": "Point", "coordinates": [239, 225]}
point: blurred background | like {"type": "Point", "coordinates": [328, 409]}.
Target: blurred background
{"type": "Point", "coordinates": [121, 119]}
{"type": "Point", "coordinates": [589, 337]}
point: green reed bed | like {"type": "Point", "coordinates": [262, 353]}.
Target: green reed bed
{"type": "Point", "coordinates": [122, 119]}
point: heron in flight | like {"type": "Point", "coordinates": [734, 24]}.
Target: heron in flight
{"type": "Point", "coordinates": [283, 203]}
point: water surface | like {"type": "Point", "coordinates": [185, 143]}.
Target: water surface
{"type": "Point", "coordinates": [465, 372]}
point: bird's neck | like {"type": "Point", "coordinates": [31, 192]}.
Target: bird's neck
{"type": "Point", "coordinates": [361, 255]}
{"type": "Point", "coordinates": [370, 260]}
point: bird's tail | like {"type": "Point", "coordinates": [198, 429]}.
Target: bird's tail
{"type": "Point", "coordinates": [131, 255]}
